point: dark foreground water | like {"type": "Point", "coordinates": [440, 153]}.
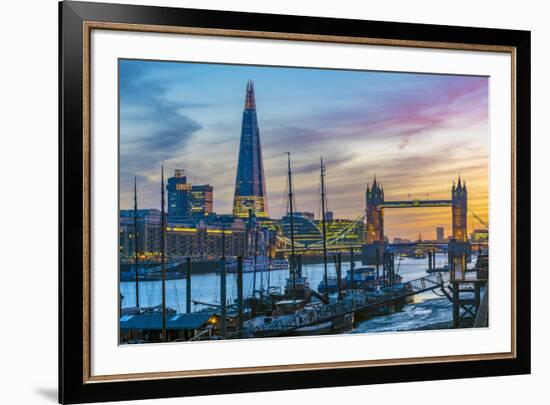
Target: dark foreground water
{"type": "Point", "coordinates": [427, 309]}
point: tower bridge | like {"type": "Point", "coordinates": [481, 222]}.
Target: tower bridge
{"type": "Point", "coordinates": [376, 205]}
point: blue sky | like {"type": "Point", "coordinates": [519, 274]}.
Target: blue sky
{"type": "Point", "coordinates": [416, 132]}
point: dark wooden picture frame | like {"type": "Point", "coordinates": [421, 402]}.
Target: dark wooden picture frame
{"type": "Point", "coordinates": [76, 385]}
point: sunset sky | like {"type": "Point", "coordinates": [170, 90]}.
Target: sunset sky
{"type": "Point", "coordinates": [415, 132]}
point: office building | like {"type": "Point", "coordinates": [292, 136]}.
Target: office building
{"type": "Point", "coordinates": [186, 200]}
{"type": "Point", "coordinates": [250, 195]}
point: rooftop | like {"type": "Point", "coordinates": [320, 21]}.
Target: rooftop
{"type": "Point", "coordinates": [173, 321]}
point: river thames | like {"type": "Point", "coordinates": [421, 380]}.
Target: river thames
{"type": "Point", "coordinates": [427, 308]}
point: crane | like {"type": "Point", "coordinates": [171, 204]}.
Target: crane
{"type": "Point", "coordinates": [481, 221]}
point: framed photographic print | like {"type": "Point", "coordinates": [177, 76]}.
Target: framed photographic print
{"type": "Point", "coordinates": [256, 202]}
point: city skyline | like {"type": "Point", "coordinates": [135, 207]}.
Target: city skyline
{"type": "Point", "coordinates": [415, 132]}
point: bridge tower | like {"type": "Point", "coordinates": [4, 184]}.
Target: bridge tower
{"type": "Point", "coordinates": [375, 212]}
{"type": "Point", "coordinates": [459, 248]}
{"type": "Point", "coordinates": [373, 250]}
{"type": "Point", "coordinates": [459, 211]}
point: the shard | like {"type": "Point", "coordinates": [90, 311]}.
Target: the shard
{"type": "Point", "coordinates": [250, 195]}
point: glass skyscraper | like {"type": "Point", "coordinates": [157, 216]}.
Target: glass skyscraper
{"type": "Point", "coordinates": [250, 195]}
{"type": "Point", "coordinates": [186, 200]}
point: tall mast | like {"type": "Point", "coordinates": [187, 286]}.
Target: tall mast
{"type": "Point", "coordinates": [324, 226]}
{"type": "Point", "coordinates": [263, 255]}
{"type": "Point", "coordinates": [291, 206]}
{"type": "Point", "coordinates": [255, 261]}
{"type": "Point", "coordinates": [163, 252]}
{"type": "Point", "coordinates": [223, 289]}
{"type": "Point", "coordinates": [136, 256]}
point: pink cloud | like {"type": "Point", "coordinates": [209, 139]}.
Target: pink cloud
{"type": "Point", "coordinates": [455, 102]}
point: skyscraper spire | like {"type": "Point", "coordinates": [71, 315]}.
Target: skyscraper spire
{"type": "Point", "coordinates": [250, 195]}
{"type": "Point", "coordinates": [250, 100]}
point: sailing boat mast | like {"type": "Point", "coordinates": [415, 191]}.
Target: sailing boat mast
{"type": "Point", "coordinates": [256, 261]}
{"type": "Point", "coordinates": [136, 256]}
{"type": "Point", "coordinates": [291, 206]}
{"type": "Point", "coordinates": [324, 227]}
{"type": "Point", "coordinates": [163, 252]}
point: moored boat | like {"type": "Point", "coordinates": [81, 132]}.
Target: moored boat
{"type": "Point", "coordinates": [260, 263]}
{"type": "Point", "coordinates": [360, 278]}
